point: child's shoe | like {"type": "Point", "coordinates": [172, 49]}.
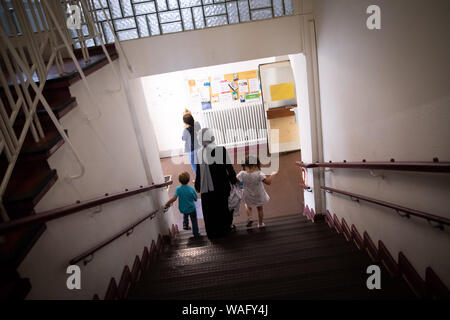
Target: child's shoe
{"type": "Point", "coordinates": [262, 225]}
{"type": "Point", "coordinates": [249, 223]}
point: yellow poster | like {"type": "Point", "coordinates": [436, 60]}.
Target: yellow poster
{"type": "Point", "coordinates": [282, 91]}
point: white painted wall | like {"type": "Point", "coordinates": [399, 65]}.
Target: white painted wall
{"type": "Point", "coordinates": [298, 63]}
{"type": "Point", "coordinates": [386, 94]}
{"type": "Point", "coordinates": [109, 150]}
{"type": "Point", "coordinates": [213, 46]}
{"type": "Point", "coordinates": [167, 96]}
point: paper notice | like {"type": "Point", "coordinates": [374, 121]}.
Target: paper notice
{"type": "Point", "coordinates": [226, 97]}
{"type": "Point", "coordinates": [243, 86]}
{"type": "Point", "coordinates": [215, 87]}
{"type": "Point", "coordinates": [224, 87]}
{"type": "Point", "coordinates": [253, 84]}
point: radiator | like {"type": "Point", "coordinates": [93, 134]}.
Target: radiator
{"type": "Point", "coordinates": [235, 124]}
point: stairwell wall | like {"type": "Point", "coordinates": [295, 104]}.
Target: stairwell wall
{"type": "Point", "coordinates": [214, 46]}
{"type": "Point", "coordinates": [110, 153]}
{"type": "Point", "coordinates": [386, 94]}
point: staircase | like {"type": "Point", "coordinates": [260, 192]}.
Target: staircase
{"type": "Point", "coordinates": [32, 176]}
{"type": "Point", "coordinates": [292, 258]}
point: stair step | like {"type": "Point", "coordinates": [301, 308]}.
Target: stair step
{"type": "Point", "coordinates": [42, 149]}
{"type": "Point", "coordinates": [31, 188]}
{"type": "Point", "coordinates": [26, 188]}
{"type": "Point", "coordinates": [230, 270]}
{"type": "Point", "coordinates": [272, 225]}
{"type": "Point", "coordinates": [292, 258]}
{"type": "Point", "coordinates": [243, 246]}
{"type": "Point", "coordinates": [96, 62]}
{"type": "Point", "coordinates": [16, 244]}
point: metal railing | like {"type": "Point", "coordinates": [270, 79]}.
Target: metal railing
{"type": "Point", "coordinates": [34, 38]}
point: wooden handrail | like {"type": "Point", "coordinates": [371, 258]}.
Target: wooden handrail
{"type": "Point", "coordinates": [403, 166]}
{"type": "Point", "coordinates": [104, 243]}
{"type": "Point", "coordinates": [424, 215]}
{"type": "Point", "coordinates": [45, 216]}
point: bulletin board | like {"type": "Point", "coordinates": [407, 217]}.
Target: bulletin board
{"type": "Point", "coordinates": [241, 86]}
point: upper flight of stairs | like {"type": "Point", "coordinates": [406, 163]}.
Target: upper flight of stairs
{"type": "Point", "coordinates": [32, 176]}
{"type": "Point", "coordinates": [292, 258]}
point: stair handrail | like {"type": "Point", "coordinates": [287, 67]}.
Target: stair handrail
{"type": "Point", "coordinates": [434, 166]}
{"type": "Point", "coordinates": [56, 213]}
{"type": "Point", "coordinates": [128, 230]}
{"type": "Point", "coordinates": [407, 212]}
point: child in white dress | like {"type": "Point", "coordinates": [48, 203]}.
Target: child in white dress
{"type": "Point", "coordinates": [254, 193]}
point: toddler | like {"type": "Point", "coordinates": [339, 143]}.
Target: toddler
{"type": "Point", "coordinates": [254, 193]}
{"type": "Point", "coordinates": [186, 196]}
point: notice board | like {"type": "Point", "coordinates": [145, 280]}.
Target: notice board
{"type": "Point", "coordinates": [240, 86]}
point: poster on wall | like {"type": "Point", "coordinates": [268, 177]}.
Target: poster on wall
{"type": "Point", "coordinates": [215, 87]}
{"type": "Point", "coordinates": [243, 86]}
{"type": "Point", "coordinates": [252, 96]}
{"type": "Point", "coordinates": [224, 86]}
{"type": "Point", "coordinates": [226, 97]}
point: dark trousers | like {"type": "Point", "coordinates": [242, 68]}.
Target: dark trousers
{"type": "Point", "coordinates": [193, 216]}
{"type": "Point", "coordinates": [216, 214]}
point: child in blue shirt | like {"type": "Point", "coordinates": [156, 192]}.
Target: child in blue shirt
{"type": "Point", "coordinates": [186, 205]}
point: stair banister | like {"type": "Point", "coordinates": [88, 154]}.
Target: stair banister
{"type": "Point", "coordinates": [49, 215]}
{"type": "Point", "coordinates": [441, 221]}
{"type": "Point", "coordinates": [434, 166]}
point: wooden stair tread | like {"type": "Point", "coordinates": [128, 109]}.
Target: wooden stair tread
{"type": "Point", "coordinates": [292, 258]}
{"type": "Point", "coordinates": [47, 145]}
{"type": "Point", "coordinates": [17, 244]}
{"type": "Point", "coordinates": [53, 78]}
{"type": "Point", "coordinates": [29, 188]}
{"type": "Point", "coordinates": [96, 62]}
{"type": "Point", "coordinates": [60, 108]}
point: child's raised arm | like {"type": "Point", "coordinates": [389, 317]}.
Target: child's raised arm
{"type": "Point", "coordinates": [268, 179]}
{"type": "Point", "coordinates": [172, 200]}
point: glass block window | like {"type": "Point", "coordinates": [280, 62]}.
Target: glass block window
{"type": "Point", "coordinates": [132, 19]}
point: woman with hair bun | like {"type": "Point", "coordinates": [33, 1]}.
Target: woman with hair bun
{"type": "Point", "coordinates": [191, 145]}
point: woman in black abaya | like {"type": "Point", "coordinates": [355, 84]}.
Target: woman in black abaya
{"type": "Point", "coordinates": [214, 175]}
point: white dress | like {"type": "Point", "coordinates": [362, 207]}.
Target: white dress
{"type": "Point", "coordinates": [254, 192]}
